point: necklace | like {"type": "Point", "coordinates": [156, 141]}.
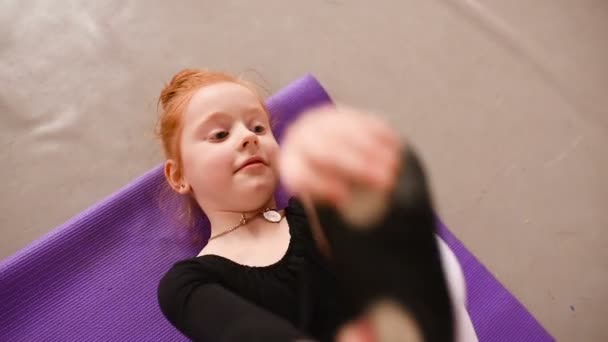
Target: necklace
{"type": "Point", "coordinates": [271, 215]}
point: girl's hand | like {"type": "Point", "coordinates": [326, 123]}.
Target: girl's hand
{"type": "Point", "coordinates": [330, 149]}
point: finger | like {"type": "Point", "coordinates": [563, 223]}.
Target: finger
{"type": "Point", "coordinates": [372, 135]}
{"type": "Point", "coordinates": [352, 161]}
{"type": "Point", "coordinates": [377, 153]}
{"type": "Point", "coordinates": [374, 124]}
{"type": "Point", "coordinates": [343, 121]}
{"type": "Point", "coordinates": [349, 333]}
{"type": "Point", "coordinates": [353, 152]}
{"type": "Point", "coordinates": [382, 150]}
{"type": "Point", "coordinates": [324, 187]}
{"type": "Point", "coordinates": [329, 153]}
{"type": "Point", "coordinates": [356, 331]}
{"type": "Point", "coordinates": [302, 179]}
{"type": "Point", "coordinates": [381, 130]}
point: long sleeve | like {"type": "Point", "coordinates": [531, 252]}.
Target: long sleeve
{"type": "Point", "coordinates": [203, 310]}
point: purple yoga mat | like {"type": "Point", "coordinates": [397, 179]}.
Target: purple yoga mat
{"type": "Point", "coordinates": [94, 278]}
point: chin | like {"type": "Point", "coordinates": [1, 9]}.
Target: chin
{"type": "Point", "coordinates": [257, 193]}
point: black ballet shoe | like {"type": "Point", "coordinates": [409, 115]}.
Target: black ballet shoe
{"type": "Point", "coordinates": [387, 260]}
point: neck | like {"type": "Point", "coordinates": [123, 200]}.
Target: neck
{"type": "Point", "coordinates": [223, 220]}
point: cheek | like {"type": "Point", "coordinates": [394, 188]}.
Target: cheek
{"type": "Point", "coordinates": [271, 149]}
{"type": "Point", "coordinates": [209, 166]}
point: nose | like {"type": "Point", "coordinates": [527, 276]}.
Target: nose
{"type": "Point", "coordinates": [248, 140]}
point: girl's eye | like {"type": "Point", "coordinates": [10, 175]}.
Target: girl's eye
{"type": "Point", "coordinates": [221, 135]}
{"type": "Point", "coordinates": [259, 129]}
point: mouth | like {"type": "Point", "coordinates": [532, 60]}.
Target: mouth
{"type": "Point", "coordinates": [251, 163]}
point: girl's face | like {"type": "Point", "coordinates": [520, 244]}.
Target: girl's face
{"type": "Point", "coordinates": [226, 128]}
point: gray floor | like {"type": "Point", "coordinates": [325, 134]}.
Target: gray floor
{"type": "Point", "coordinates": [506, 99]}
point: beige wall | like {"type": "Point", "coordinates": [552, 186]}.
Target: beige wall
{"type": "Point", "coordinates": [506, 99]}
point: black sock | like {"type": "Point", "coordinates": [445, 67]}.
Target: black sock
{"type": "Point", "coordinates": [398, 258]}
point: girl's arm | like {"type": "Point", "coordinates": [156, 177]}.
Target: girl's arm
{"type": "Point", "coordinates": [206, 311]}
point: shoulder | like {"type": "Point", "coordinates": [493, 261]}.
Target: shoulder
{"type": "Point", "coordinates": [307, 226]}
{"type": "Point", "coordinates": [296, 216]}
{"type": "Point", "coordinates": [295, 208]}
{"type": "Point", "coordinates": [181, 281]}
{"type": "Point", "coordinates": [300, 226]}
{"type": "Point", "coordinates": [185, 274]}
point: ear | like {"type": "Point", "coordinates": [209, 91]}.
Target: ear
{"type": "Point", "coordinates": [174, 178]}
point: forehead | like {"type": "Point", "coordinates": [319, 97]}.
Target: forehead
{"type": "Point", "coordinates": [225, 97]}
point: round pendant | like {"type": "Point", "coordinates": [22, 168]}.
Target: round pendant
{"type": "Point", "coordinates": [272, 216]}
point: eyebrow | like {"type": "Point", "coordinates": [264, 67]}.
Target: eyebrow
{"type": "Point", "coordinates": [249, 112]}
{"type": "Point", "coordinates": [211, 117]}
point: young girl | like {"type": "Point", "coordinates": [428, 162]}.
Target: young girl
{"type": "Point", "coordinates": [353, 257]}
